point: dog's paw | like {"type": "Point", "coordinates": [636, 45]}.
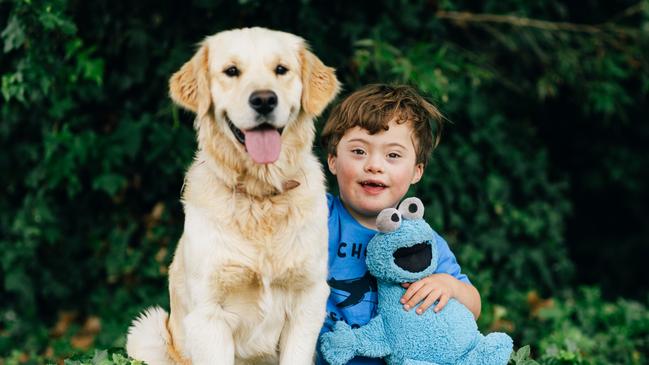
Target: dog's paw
{"type": "Point", "coordinates": [339, 345]}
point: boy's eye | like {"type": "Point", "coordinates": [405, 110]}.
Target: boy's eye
{"type": "Point", "coordinates": [394, 155]}
{"type": "Point", "coordinates": [358, 151]}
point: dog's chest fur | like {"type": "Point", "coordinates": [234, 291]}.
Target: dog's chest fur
{"type": "Point", "coordinates": [259, 280]}
{"type": "Point", "coordinates": [261, 253]}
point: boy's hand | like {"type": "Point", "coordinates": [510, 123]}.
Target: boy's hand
{"type": "Point", "coordinates": [429, 289]}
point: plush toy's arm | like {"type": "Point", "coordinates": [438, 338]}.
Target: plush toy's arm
{"type": "Point", "coordinates": [343, 343]}
{"type": "Point", "coordinates": [372, 339]}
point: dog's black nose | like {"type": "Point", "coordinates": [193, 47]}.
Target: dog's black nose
{"type": "Point", "coordinates": [263, 101]}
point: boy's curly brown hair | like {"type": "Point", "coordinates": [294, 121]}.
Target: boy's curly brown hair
{"type": "Point", "coordinates": [373, 106]}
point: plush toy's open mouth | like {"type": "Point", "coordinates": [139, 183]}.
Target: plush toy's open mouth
{"type": "Point", "coordinates": [263, 143]}
{"type": "Point", "coordinates": [416, 258]}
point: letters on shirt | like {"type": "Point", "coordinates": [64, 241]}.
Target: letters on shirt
{"type": "Point", "coordinates": [357, 250]}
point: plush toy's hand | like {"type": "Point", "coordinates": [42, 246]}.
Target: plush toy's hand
{"type": "Point", "coordinates": [338, 346]}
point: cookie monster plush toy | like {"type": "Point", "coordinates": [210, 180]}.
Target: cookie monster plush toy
{"type": "Point", "coordinates": [403, 251]}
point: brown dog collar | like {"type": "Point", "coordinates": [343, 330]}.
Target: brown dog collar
{"type": "Point", "coordinates": [286, 186]}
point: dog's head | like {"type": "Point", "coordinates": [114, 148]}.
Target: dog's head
{"type": "Point", "coordinates": [254, 83]}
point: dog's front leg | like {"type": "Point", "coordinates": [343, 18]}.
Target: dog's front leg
{"type": "Point", "coordinates": [208, 337]}
{"type": "Point", "coordinates": [300, 333]}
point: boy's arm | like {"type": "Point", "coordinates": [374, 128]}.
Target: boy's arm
{"type": "Point", "coordinates": [470, 297]}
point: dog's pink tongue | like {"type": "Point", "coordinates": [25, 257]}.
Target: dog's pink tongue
{"type": "Point", "coordinates": [263, 145]}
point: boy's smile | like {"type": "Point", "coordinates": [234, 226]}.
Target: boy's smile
{"type": "Point", "coordinates": [373, 187]}
{"type": "Point", "coordinates": [374, 171]}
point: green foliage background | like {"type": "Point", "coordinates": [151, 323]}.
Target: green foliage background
{"type": "Point", "coordinates": [539, 184]}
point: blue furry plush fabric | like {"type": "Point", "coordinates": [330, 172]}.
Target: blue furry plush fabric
{"type": "Point", "coordinates": [405, 251]}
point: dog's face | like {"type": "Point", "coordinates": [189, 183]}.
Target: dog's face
{"type": "Point", "coordinates": [255, 77]}
{"type": "Point", "coordinates": [254, 82]}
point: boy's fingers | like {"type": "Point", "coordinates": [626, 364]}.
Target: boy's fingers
{"type": "Point", "coordinates": [418, 297]}
{"type": "Point", "coordinates": [442, 303]}
{"type": "Point", "coordinates": [405, 285]}
{"type": "Point", "coordinates": [430, 299]}
{"type": "Point", "coordinates": [412, 289]}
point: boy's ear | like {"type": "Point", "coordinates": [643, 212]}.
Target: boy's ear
{"type": "Point", "coordinates": [419, 171]}
{"type": "Point", "coordinates": [331, 162]}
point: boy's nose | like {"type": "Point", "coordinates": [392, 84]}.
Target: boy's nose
{"type": "Point", "coordinates": [373, 165]}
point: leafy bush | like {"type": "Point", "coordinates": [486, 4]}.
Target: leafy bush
{"type": "Point", "coordinates": [97, 357]}
{"type": "Point", "coordinates": [79, 231]}
{"type": "Point", "coordinates": [588, 330]}
{"type": "Point", "coordinates": [543, 122]}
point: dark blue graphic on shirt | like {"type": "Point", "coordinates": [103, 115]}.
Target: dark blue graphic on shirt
{"type": "Point", "coordinates": [356, 287]}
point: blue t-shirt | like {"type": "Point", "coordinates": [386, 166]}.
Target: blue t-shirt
{"type": "Point", "coordinates": [353, 296]}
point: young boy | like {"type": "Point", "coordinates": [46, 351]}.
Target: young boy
{"type": "Point", "coordinates": [378, 141]}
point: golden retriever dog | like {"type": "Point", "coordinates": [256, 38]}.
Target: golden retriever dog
{"type": "Point", "coordinates": [248, 279]}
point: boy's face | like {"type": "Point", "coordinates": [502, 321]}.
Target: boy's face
{"type": "Point", "coordinates": [374, 171]}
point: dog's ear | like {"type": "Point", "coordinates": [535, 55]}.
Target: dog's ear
{"type": "Point", "coordinates": [189, 87]}
{"type": "Point", "coordinates": [319, 84]}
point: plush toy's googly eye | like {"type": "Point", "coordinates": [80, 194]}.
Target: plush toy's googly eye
{"type": "Point", "coordinates": [389, 220]}
{"type": "Point", "coordinates": [412, 208]}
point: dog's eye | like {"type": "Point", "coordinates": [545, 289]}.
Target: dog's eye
{"type": "Point", "coordinates": [280, 70]}
{"type": "Point", "coordinates": [231, 71]}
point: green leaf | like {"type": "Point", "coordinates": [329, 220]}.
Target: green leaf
{"type": "Point", "coordinates": [13, 34]}
{"type": "Point", "coordinates": [13, 87]}
{"type": "Point", "coordinates": [110, 183]}
{"type": "Point", "coordinates": [523, 352]}
{"type": "Point", "coordinates": [101, 358]}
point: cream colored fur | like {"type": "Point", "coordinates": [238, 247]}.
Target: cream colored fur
{"type": "Point", "coordinates": [248, 279]}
